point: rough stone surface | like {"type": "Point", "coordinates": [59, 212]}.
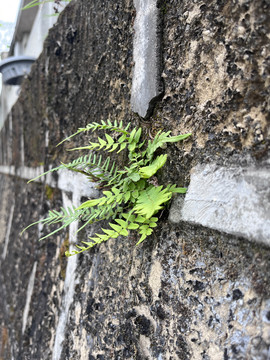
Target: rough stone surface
{"type": "Point", "coordinates": [146, 85]}
{"type": "Point", "coordinates": [233, 200]}
{"type": "Point", "coordinates": [188, 292]}
{"type": "Point", "coordinates": [216, 76]}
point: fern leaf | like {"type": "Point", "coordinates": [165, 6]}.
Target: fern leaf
{"type": "Point", "coordinates": [103, 126]}
{"type": "Point", "coordinates": [114, 147]}
{"type": "Point", "coordinates": [179, 190]}
{"type": "Point", "coordinates": [47, 172]}
{"type": "Point", "coordinates": [110, 141]}
{"type": "Point", "coordinates": [177, 138]}
{"type": "Point", "coordinates": [71, 136]}
{"type": "Point", "coordinates": [160, 140]}
{"type": "Point", "coordinates": [110, 233]}
{"type": "Point", "coordinates": [134, 176]}
{"type": "Point", "coordinates": [66, 221]}
{"type": "Point", "coordinates": [121, 222]}
{"type": "Point", "coordinates": [122, 139]}
{"type": "Point", "coordinates": [148, 171]}
{"type": "Point", "coordinates": [140, 219]}
{"type": "Point", "coordinates": [143, 237]}
{"type": "Point", "coordinates": [122, 147]}
{"type": "Point", "coordinates": [34, 223]}
{"type": "Point", "coordinates": [102, 143]}
{"type": "Point", "coordinates": [151, 200]}
{"type": "Point", "coordinates": [137, 135]}
{"type": "Point", "coordinates": [129, 216]}
{"type": "Point", "coordinates": [32, 4]}
{"type": "Point", "coordinates": [115, 227]}
{"type": "Point", "coordinates": [131, 148]}
{"type": "Point", "coordinates": [89, 203]}
{"type": "Point", "coordinates": [133, 226]}
{"type": "Point", "coordinates": [131, 135]}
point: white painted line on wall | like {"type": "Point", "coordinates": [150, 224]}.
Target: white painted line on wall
{"type": "Point", "coordinates": [145, 79]}
{"type": "Point", "coordinates": [232, 200]}
{"type": "Point", "coordinates": [8, 232]}
{"type": "Point", "coordinates": [70, 282]}
{"type": "Point", "coordinates": [69, 288]}
{"type": "Point", "coordinates": [23, 172]}
{"type": "Point", "coordinates": [9, 148]}
{"type": "Point", "coordinates": [66, 180]}
{"type": "Point", "coordinates": [22, 149]}
{"type": "Point", "coordinates": [76, 183]}
{"type": "Point", "coordinates": [29, 293]}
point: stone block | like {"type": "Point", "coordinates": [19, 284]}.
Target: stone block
{"type": "Point", "coordinates": [232, 200]}
{"type": "Point", "coordinates": [146, 86]}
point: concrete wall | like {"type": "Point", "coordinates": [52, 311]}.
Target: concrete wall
{"type": "Point", "coordinates": [199, 287]}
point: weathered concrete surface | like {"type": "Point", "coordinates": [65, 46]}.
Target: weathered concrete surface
{"type": "Point", "coordinates": [146, 81]}
{"type": "Point", "coordinates": [191, 301]}
{"type": "Point", "coordinates": [233, 200]}
{"type": "Point", "coordinates": [24, 294]}
{"type": "Point", "coordinates": [216, 75]}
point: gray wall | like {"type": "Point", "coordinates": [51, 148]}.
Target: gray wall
{"type": "Point", "coordinates": [199, 287]}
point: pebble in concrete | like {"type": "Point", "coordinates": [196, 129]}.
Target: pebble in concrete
{"type": "Point", "coordinates": [146, 86]}
{"type": "Point", "coordinates": [232, 200]}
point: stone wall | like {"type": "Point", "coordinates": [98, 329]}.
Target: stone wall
{"type": "Point", "coordinates": [199, 287]}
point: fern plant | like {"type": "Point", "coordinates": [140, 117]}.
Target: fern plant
{"type": "Point", "coordinates": [129, 198]}
{"type": "Point", "coordinates": [39, 2]}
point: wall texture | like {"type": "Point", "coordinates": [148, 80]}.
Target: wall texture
{"type": "Point", "coordinates": [190, 291]}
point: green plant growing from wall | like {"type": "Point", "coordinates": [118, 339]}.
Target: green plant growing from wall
{"type": "Point", "coordinates": [39, 2]}
{"type": "Point", "coordinates": [129, 198]}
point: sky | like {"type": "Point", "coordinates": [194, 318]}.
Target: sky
{"type": "Point", "coordinates": [8, 14]}
{"type": "Point", "coordinates": [8, 10]}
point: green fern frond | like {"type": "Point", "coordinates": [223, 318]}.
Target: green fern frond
{"type": "Point", "coordinates": [89, 165]}
{"type": "Point", "coordinates": [110, 198]}
{"type": "Point", "coordinates": [179, 190]}
{"type": "Point", "coordinates": [127, 139]}
{"type": "Point", "coordinates": [39, 2]}
{"type": "Point", "coordinates": [127, 201]}
{"type": "Point", "coordinates": [111, 126]}
{"type": "Point", "coordinates": [65, 216]}
{"type": "Point", "coordinates": [148, 171]}
{"type": "Point", "coordinates": [101, 126]}
{"type": "Point", "coordinates": [160, 140]}
{"type": "Point", "coordinates": [151, 200]}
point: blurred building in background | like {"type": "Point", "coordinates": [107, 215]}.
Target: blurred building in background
{"type": "Point", "coordinates": [31, 29]}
